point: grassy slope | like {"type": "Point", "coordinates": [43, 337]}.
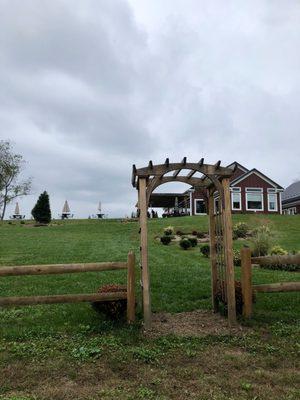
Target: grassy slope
{"type": "Point", "coordinates": [180, 281]}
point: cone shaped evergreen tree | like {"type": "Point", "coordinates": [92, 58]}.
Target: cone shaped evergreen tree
{"type": "Point", "coordinates": [41, 211]}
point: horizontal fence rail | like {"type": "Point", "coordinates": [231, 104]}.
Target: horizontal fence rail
{"type": "Point", "coordinates": [277, 260]}
{"type": "Point", "coordinates": [49, 269]}
{"type": "Point", "coordinates": [278, 287]}
{"type": "Point", "coordinates": [128, 293]}
{"type": "Point", "coordinates": [62, 298]}
{"type": "Point", "coordinates": [246, 277]}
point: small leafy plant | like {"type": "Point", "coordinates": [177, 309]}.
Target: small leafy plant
{"type": "Point", "coordinates": [278, 251]}
{"type": "Point", "coordinates": [237, 258]}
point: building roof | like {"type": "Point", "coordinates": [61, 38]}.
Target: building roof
{"type": "Point", "coordinates": [291, 191]}
{"type": "Point", "coordinates": [235, 164]}
{"type": "Point", "coordinates": [257, 172]}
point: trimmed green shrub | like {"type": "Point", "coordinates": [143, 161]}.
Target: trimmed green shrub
{"type": "Point", "coordinates": [193, 241]}
{"type": "Point", "coordinates": [240, 230]}
{"type": "Point", "coordinates": [169, 230]}
{"type": "Point", "coordinates": [165, 239]}
{"type": "Point", "coordinates": [205, 250]}
{"type": "Point", "coordinates": [185, 243]}
{"type": "Point", "coordinates": [278, 251]}
{"type": "Point", "coordinates": [179, 233]}
{"type": "Point", "coordinates": [195, 233]}
{"type": "Point", "coordinates": [41, 211]}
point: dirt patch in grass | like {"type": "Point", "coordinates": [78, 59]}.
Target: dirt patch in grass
{"type": "Point", "coordinates": [193, 323]}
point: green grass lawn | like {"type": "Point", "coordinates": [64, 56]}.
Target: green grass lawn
{"type": "Point", "coordinates": [57, 337]}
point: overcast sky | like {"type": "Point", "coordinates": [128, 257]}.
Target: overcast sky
{"type": "Point", "coordinates": [89, 87]}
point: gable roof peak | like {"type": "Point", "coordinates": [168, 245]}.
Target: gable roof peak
{"type": "Point", "coordinates": [258, 173]}
{"type": "Point", "coordinates": [236, 165]}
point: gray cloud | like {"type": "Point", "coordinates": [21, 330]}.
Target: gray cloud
{"type": "Point", "coordinates": [88, 88]}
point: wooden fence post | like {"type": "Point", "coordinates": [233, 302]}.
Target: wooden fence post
{"type": "Point", "coordinates": [131, 287]}
{"type": "Point", "coordinates": [246, 281]}
{"type": "Point", "coordinates": [143, 207]}
{"type": "Point", "coordinates": [227, 233]}
{"type": "Point", "coordinates": [213, 260]}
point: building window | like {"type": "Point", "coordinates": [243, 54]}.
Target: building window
{"type": "Point", "coordinates": [217, 205]}
{"type": "Point", "coordinates": [254, 199]}
{"type": "Point", "coordinates": [272, 202]}
{"type": "Point", "coordinates": [200, 207]}
{"type": "Point", "coordinates": [236, 203]}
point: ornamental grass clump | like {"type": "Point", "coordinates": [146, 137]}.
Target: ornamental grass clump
{"type": "Point", "coordinates": [261, 241]}
{"type": "Point", "coordinates": [240, 230]}
{"type": "Point", "coordinates": [169, 231]}
{"type": "Point", "coordinates": [185, 243]}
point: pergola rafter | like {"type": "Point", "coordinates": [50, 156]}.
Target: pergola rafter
{"type": "Point", "coordinates": [215, 178]}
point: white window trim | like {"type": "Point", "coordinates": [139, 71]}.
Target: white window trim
{"type": "Point", "coordinates": [195, 207]}
{"type": "Point", "coordinates": [240, 196]}
{"type": "Point", "coordinates": [254, 189]}
{"type": "Point", "coordinates": [280, 202]}
{"type": "Point", "coordinates": [248, 191]}
{"type": "Point", "coordinates": [276, 202]}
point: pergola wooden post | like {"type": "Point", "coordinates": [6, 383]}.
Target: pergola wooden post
{"type": "Point", "coordinates": [227, 233]}
{"type": "Point", "coordinates": [215, 178]}
{"type": "Point", "coordinates": [143, 211]}
{"type": "Point", "coordinates": [213, 261]}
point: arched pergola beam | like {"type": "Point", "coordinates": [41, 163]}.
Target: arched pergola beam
{"type": "Point", "coordinates": [162, 169]}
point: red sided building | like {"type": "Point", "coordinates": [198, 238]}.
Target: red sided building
{"type": "Point", "coordinates": [251, 192]}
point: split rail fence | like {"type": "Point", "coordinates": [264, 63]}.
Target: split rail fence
{"type": "Point", "coordinates": [246, 277]}
{"type": "Point", "coordinates": [50, 269]}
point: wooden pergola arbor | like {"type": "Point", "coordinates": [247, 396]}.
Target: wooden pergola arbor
{"type": "Point", "coordinates": [215, 180]}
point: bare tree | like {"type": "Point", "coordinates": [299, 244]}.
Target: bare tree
{"type": "Point", "coordinates": [10, 168]}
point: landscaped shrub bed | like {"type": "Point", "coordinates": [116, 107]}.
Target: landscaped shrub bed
{"type": "Point", "coordinates": [282, 267]}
